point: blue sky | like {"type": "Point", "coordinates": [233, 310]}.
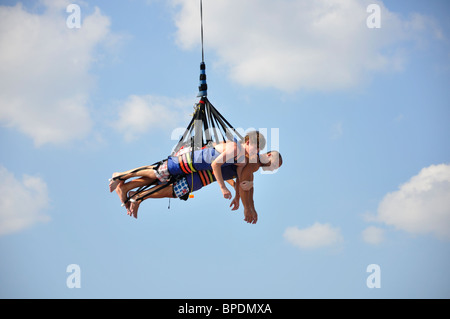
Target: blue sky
{"type": "Point", "coordinates": [362, 121]}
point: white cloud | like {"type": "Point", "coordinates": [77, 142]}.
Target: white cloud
{"type": "Point", "coordinates": [44, 71]}
{"type": "Point", "coordinates": [139, 114]}
{"type": "Point", "coordinates": [316, 236]}
{"type": "Point", "coordinates": [373, 235]}
{"type": "Point", "coordinates": [303, 44]}
{"type": "Point", "coordinates": [421, 205]}
{"type": "Point", "coordinates": [21, 202]}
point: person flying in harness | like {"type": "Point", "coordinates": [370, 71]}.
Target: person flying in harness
{"type": "Point", "coordinates": [214, 159]}
{"type": "Point", "coordinates": [190, 183]}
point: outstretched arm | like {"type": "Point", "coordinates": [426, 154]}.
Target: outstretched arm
{"type": "Point", "coordinates": [250, 215]}
{"type": "Point", "coordinates": [235, 202]}
{"type": "Point", "coordinates": [216, 165]}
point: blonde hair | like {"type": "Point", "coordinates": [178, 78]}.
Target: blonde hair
{"type": "Point", "coordinates": [255, 137]}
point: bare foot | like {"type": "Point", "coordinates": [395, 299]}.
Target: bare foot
{"type": "Point", "coordinates": [121, 193]}
{"type": "Point", "coordinates": [113, 183]}
{"type": "Point", "coordinates": [133, 206]}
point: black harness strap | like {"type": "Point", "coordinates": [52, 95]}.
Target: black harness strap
{"type": "Point", "coordinates": [146, 187]}
{"type": "Point", "coordinates": [154, 189]}
{"type": "Point", "coordinates": [120, 177]}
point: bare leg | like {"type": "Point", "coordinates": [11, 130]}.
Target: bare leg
{"type": "Point", "coordinates": [165, 192]}
{"type": "Point", "coordinates": [122, 189]}
{"type": "Point", "coordinates": [144, 171]}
